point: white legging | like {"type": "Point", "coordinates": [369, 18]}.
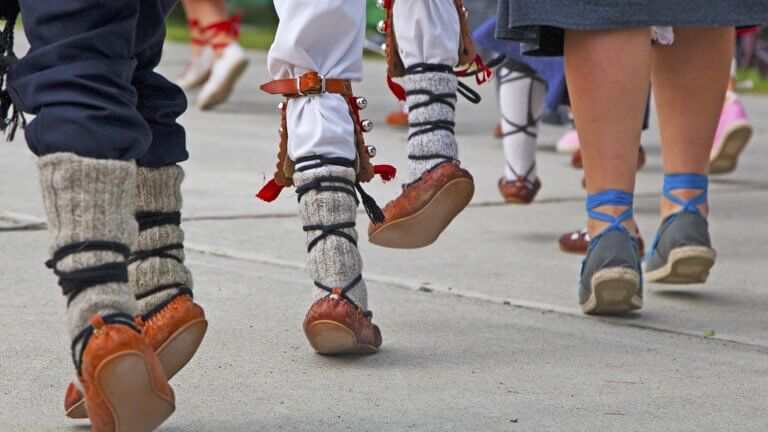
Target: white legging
{"type": "Point", "coordinates": [521, 100]}
{"type": "Point", "coordinates": [327, 36]}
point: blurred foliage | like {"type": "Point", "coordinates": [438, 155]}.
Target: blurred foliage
{"type": "Point", "coordinates": [759, 83]}
{"type": "Point", "coordinates": [261, 13]}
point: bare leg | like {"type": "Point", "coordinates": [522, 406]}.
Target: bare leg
{"type": "Point", "coordinates": [209, 12]}
{"type": "Point", "coordinates": [690, 78]}
{"type": "Point", "coordinates": [608, 78]}
{"type": "Point", "coordinates": [193, 15]}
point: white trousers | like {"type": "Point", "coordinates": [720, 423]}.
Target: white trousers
{"type": "Point", "coordinates": [327, 36]}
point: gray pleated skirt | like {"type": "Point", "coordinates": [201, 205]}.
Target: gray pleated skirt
{"type": "Point", "coordinates": [539, 24]}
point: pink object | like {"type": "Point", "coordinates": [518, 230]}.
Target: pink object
{"type": "Point", "coordinates": [568, 143]}
{"type": "Point", "coordinates": [733, 134]}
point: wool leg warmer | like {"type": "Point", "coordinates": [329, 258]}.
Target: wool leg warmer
{"type": "Point", "coordinates": [329, 216]}
{"type": "Point", "coordinates": [157, 269]}
{"type": "Point", "coordinates": [89, 205]}
{"type": "Point", "coordinates": [431, 99]}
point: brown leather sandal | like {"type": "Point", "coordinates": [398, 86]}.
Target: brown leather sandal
{"type": "Point", "coordinates": [425, 208]}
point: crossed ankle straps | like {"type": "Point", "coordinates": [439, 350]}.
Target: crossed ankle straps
{"type": "Point", "coordinates": [611, 197]}
{"type": "Point", "coordinates": [117, 318]}
{"type": "Point", "coordinates": [148, 220]}
{"type": "Point", "coordinates": [525, 177]}
{"type": "Point", "coordinates": [425, 127]}
{"type": "Point", "coordinates": [686, 181]}
{"type": "Point", "coordinates": [674, 182]}
{"type": "Point", "coordinates": [75, 282]}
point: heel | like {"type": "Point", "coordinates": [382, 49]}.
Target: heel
{"type": "Point", "coordinates": [126, 382]}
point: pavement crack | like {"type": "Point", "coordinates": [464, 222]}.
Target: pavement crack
{"type": "Point", "coordinates": [416, 286]}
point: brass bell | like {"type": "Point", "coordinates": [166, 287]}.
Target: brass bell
{"type": "Point", "coordinates": [384, 49]}
{"type": "Point", "coordinates": [367, 125]}
{"type": "Point", "coordinates": [362, 103]}
{"type": "Point", "coordinates": [466, 12]}
{"type": "Point", "coordinates": [371, 151]}
{"type": "Point", "coordinates": [280, 130]}
{"type": "Point", "coordinates": [280, 106]}
{"type": "Point", "coordinates": [381, 27]}
{"type": "Point", "coordinates": [381, 4]}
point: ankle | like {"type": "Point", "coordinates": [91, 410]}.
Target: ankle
{"type": "Point", "coordinates": [595, 226]}
{"type": "Point", "coordinates": [667, 207]}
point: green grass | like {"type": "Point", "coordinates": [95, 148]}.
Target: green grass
{"type": "Point", "coordinates": [250, 37]}
{"type": "Point", "coordinates": [760, 83]}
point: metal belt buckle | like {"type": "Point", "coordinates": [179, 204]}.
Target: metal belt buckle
{"type": "Point", "coordinates": [322, 86]}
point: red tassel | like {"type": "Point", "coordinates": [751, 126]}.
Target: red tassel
{"type": "Point", "coordinates": [396, 89]}
{"type": "Point", "coordinates": [387, 172]}
{"type": "Point", "coordinates": [486, 73]}
{"type": "Point", "coordinates": [270, 191]}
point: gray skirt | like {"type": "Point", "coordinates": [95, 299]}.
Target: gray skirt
{"type": "Point", "coordinates": [540, 24]}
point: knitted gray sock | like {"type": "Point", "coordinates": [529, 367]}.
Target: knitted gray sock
{"type": "Point", "coordinates": [157, 267]}
{"type": "Point", "coordinates": [334, 260]}
{"type": "Point", "coordinates": [431, 104]}
{"type": "Point", "coordinates": [89, 200]}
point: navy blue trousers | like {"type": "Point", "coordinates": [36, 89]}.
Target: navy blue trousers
{"type": "Point", "coordinates": [89, 78]}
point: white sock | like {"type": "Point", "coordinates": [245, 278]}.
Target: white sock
{"type": "Point", "coordinates": [521, 99]}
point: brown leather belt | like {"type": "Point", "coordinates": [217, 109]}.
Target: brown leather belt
{"type": "Point", "coordinates": [309, 84]}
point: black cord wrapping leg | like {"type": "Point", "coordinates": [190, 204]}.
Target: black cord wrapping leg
{"type": "Point", "coordinates": [149, 220]}
{"type": "Point", "coordinates": [344, 186]}
{"type": "Point", "coordinates": [75, 282]}
{"type": "Point", "coordinates": [372, 209]}
{"type": "Point", "coordinates": [10, 116]}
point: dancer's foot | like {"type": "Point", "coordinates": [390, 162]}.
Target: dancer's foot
{"type": "Point", "coordinates": [577, 242]}
{"type": "Point", "coordinates": [519, 191]}
{"type": "Point", "coordinates": [398, 118]}
{"type": "Point", "coordinates": [568, 143]}
{"type": "Point", "coordinates": [424, 208]}
{"type": "Point", "coordinates": [610, 273]}
{"type": "Point", "coordinates": [732, 136]}
{"type": "Point", "coordinates": [124, 384]}
{"type": "Point", "coordinates": [174, 333]}
{"type": "Point", "coordinates": [334, 326]}
{"type": "Point", "coordinates": [198, 69]}
{"type": "Point", "coordinates": [227, 69]}
{"type": "Point", "coordinates": [682, 252]}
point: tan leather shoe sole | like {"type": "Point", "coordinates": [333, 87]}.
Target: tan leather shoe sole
{"type": "Point", "coordinates": [685, 265]}
{"type": "Point", "coordinates": [124, 380]}
{"type": "Point", "coordinates": [424, 227]}
{"type": "Point", "coordinates": [332, 338]}
{"type": "Point", "coordinates": [613, 291]}
{"type": "Point", "coordinates": [174, 354]}
{"type": "Point", "coordinates": [223, 92]}
{"type": "Point", "coordinates": [726, 157]}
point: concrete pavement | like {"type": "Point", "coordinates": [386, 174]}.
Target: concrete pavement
{"type": "Point", "coordinates": [482, 329]}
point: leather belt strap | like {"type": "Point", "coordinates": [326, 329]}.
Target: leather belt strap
{"type": "Point", "coordinates": [309, 84]}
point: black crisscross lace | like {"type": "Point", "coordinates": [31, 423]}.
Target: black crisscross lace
{"type": "Point", "coordinates": [148, 220]}
{"type": "Point", "coordinates": [75, 282]}
{"type": "Point", "coordinates": [84, 336]}
{"type": "Point", "coordinates": [425, 127]}
{"type": "Point", "coordinates": [312, 162]}
{"type": "Point", "coordinates": [506, 76]}
{"type": "Point", "coordinates": [342, 185]}
{"type": "Point", "coordinates": [531, 120]}
{"type": "Point", "coordinates": [525, 177]}
{"type": "Point", "coordinates": [463, 89]}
